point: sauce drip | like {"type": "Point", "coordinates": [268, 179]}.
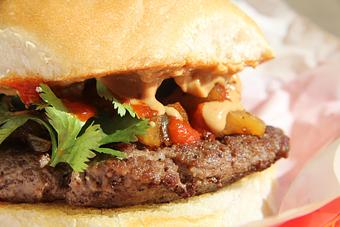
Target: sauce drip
{"type": "Point", "coordinates": [215, 113]}
{"type": "Point", "coordinates": [201, 84]}
{"type": "Point", "coordinates": [81, 110]}
{"type": "Point", "coordinates": [144, 111]}
{"type": "Point", "coordinates": [172, 112]}
{"type": "Point", "coordinates": [133, 88]}
{"type": "Point", "coordinates": [26, 89]}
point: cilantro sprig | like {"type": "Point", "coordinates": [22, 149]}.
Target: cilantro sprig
{"type": "Point", "coordinates": [11, 121]}
{"type": "Point", "coordinates": [9, 125]}
{"type": "Point", "coordinates": [122, 108]}
{"type": "Point", "coordinates": [73, 141]}
{"type": "Point", "coordinates": [127, 135]}
{"type": "Point", "coordinates": [50, 98]}
{"type": "Point", "coordinates": [75, 148]}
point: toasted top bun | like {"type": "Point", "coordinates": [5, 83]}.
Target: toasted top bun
{"type": "Point", "coordinates": [238, 204]}
{"type": "Point", "coordinates": [74, 40]}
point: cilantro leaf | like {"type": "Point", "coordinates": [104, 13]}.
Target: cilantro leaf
{"type": "Point", "coordinates": [76, 141]}
{"type": "Point", "coordinates": [73, 148]}
{"type": "Point", "coordinates": [128, 134]}
{"type": "Point", "coordinates": [10, 125]}
{"type": "Point", "coordinates": [14, 121]}
{"type": "Point", "coordinates": [10, 121]}
{"type": "Point", "coordinates": [5, 116]}
{"type": "Point", "coordinates": [121, 108]}
{"type": "Point", "coordinates": [113, 152]}
{"type": "Point", "coordinates": [50, 98]}
{"type": "Point", "coordinates": [67, 127]}
{"type": "Point", "coordinates": [80, 153]}
{"type": "Point", "coordinates": [49, 129]}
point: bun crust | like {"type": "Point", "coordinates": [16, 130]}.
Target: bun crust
{"type": "Point", "coordinates": [75, 40]}
{"type": "Point", "coordinates": [240, 203]}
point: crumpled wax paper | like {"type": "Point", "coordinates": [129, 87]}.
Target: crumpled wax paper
{"type": "Point", "coordinates": [298, 91]}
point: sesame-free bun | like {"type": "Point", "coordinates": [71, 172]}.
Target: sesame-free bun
{"type": "Point", "coordinates": [74, 40]}
{"type": "Point", "coordinates": [240, 203]}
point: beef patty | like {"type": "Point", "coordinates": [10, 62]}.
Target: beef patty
{"type": "Point", "coordinates": [146, 176]}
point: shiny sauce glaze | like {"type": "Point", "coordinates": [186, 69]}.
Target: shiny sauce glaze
{"type": "Point", "coordinates": [143, 111]}
{"type": "Point", "coordinates": [81, 110]}
{"type": "Point", "coordinates": [181, 132]}
{"type": "Point", "coordinates": [25, 89]}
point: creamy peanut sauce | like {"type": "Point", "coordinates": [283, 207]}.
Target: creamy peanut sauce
{"type": "Point", "coordinates": [170, 111]}
{"type": "Point", "coordinates": [142, 88]}
{"type": "Point", "coordinates": [215, 113]}
{"type": "Point", "coordinates": [200, 84]}
{"type": "Point", "coordinates": [136, 90]}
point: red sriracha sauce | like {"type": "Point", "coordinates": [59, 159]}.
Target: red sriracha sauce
{"type": "Point", "coordinates": [180, 132]}
{"type": "Point", "coordinates": [26, 89]}
{"type": "Point", "coordinates": [144, 111]}
{"type": "Point", "coordinates": [81, 110]}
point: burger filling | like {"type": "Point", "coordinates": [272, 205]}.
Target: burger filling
{"type": "Point", "coordinates": [87, 142]}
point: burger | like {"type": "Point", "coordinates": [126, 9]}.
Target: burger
{"type": "Point", "coordinates": [129, 113]}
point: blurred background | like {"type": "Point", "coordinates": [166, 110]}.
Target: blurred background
{"type": "Point", "coordinates": [325, 13]}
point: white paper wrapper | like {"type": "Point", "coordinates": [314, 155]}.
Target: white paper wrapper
{"type": "Point", "coordinates": [299, 91]}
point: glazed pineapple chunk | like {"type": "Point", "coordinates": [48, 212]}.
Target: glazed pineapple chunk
{"type": "Point", "coordinates": [241, 122]}
{"type": "Point", "coordinates": [153, 136]}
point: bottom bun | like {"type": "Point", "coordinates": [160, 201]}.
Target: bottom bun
{"type": "Point", "coordinates": [237, 204]}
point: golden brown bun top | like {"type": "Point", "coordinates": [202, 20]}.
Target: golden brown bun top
{"type": "Point", "coordinates": [57, 40]}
